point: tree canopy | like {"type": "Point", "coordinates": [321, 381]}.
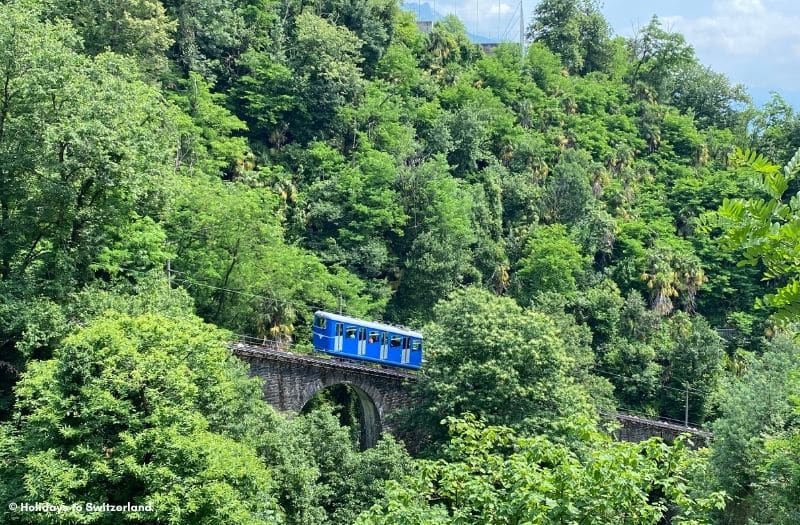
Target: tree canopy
{"type": "Point", "coordinates": [578, 227]}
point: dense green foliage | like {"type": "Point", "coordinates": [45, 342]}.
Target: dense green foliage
{"type": "Point", "coordinates": [174, 172]}
{"type": "Point", "coordinates": [489, 475]}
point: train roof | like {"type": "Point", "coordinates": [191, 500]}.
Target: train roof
{"type": "Point", "coordinates": [368, 324]}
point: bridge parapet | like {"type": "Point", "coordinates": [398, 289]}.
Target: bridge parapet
{"type": "Point", "coordinates": [291, 380]}
{"type": "Point", "coordinates": [634, 428]}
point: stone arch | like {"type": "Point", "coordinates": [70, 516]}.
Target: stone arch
{"type": "Point", "coordinates": [291, 380]}
{"type": "Point", "coordinates": [368, 403]}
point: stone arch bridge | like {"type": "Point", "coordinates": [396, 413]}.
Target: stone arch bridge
{"type": "Point", "coordinates": [292, 379]}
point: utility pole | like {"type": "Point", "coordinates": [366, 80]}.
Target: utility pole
{"type": "Point", "coordinates": [686, 411]}
{"type": "Point", "coordinates": [340, 304]}
{"type": "Point", "coordinates": [521, 32]}
{"type": "Point", "coordinates": [499, 21]}
{"type": "Point", "coordinates": [169, 272]}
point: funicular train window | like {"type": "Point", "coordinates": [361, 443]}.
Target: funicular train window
{"type": "Point", "coordinates": [416, 345]}
{"type": "Point", "coordinates": [350, 333]}
{"type": "Point", "coordinates": [396, 341]}
{"type": "Point", "coordinates": [373, 337]}
{"type": "Point", "coordinates": [320, 322]}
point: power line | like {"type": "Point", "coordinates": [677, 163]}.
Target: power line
{"type": "Point", "coordinates": [510, 23]}
{"type": "Point", "coordinates": [681, 390]}
{"type": "Point", "coordinates": [272, 301]}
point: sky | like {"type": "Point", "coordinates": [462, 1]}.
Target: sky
{"type": "Point", "coordinates": [753, 42]}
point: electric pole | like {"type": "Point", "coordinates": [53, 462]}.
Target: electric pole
{"type": "Point", "coordinates": [686, 409]}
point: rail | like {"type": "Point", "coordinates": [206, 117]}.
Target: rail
{"type": "Point", "coordinates": [276, 351]}
{"type": "Point", "coordinates": [248, 346]}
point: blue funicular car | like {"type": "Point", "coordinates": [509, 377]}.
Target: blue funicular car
{"type": "Point", "coordinates": [353, 338]}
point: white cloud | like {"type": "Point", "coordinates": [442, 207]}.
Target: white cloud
{"type": "Point", "coordinates": [741, 6]}
{"type": "Point", "coordinates": [742, 28]}
{"type": "Point", "coordinates": [501, 8]}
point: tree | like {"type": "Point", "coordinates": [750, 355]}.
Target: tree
{"type": "Point", "coordinates": [231, 254]}
{"type": "Point", "coordinates": [324, 478]}
{"type": "Point", "coordinates": [326, 62]}
{"type": "Point", "coordinates": [670, 273]}
{"type": "Point", "coordinates": [208, 143]}
{"type": "Point", "coordinates": [775, 130]}
{"type": "Point", "coordinates": [491, 475]}
{"type": "Point", "coordinates": [756, 417]}
{"type": "Point", "coordinates": [141, 409]}
{"type": "Point", "coordinates": [488, 356]}
{"type": "Point", "coordinates": [658, 54]}
{"type": "Point", "coordinates": [552, 262]}
{"type": "Point", "coordinates": [782, 469]}
{"type": "Point", "coordinates": [567, 193]}
{"type": "Point", "coordinates": [576, 31]}
{"type": "Point", "coordinates": [766, 230]}
{"type": "Point", "coordinates": [139, 28]}
{"type": "Point", "coordinates": [211, 35]}
{"type": "Point", "coordinates": [437, 239]}
{"type": "Point", "coordinates": [82, 140]}
{"type": "Point", "coordinates": [714, 102]}
{"type": "Point", "coordinates": [693, 360]}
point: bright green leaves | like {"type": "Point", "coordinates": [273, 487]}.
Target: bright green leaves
{"type": "Point", "coordinates": [232, 257]}
{"type": "Point", "coordinates": [657, 55]}
{"type": "Point", "coordinates": [208, 142]}
{"type": "Point", "coordinates": [142, 409]}
{"type": "Point", "coordinates": [83, 144]}
{"type": "Point", "coordinates": [491, 476]}
{"type": "Point", "coordinates": [552, 262]}
{"type": "Point", "coordinates": [766, 231]}
{"type": "Point", "coordinates": [576, 31]}
{"type": "Point", "coordinates": [754, 450]}
{"type": "Point", "coordinates": [488, 356]}
{"type": "Point", "coordinates": [325, 59]}
{"type": "Point", "coordinates": [138, 28]}
{"type": "Point", "coordinates": [436, 245]}
{"type": "Point", "coordinates": [448, 49]}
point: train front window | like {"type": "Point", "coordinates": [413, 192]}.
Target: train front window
{"type": "Point", "coordinates": [416, 346]}
{"type": "Point", "coordinates": [320, 322]}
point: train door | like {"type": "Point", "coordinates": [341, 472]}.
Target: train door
{"type": "Point", "coordinates": [406, 351]}
{"type": "Point", "coordinates": [362, 341]}
{"type": "Point", "coordinates": [384, 345]}
{"type": "Point", "coordinates": [337, 339]}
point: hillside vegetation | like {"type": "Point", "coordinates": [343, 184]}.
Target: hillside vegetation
{"type": "Point", "coordinates": [568, 227]}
